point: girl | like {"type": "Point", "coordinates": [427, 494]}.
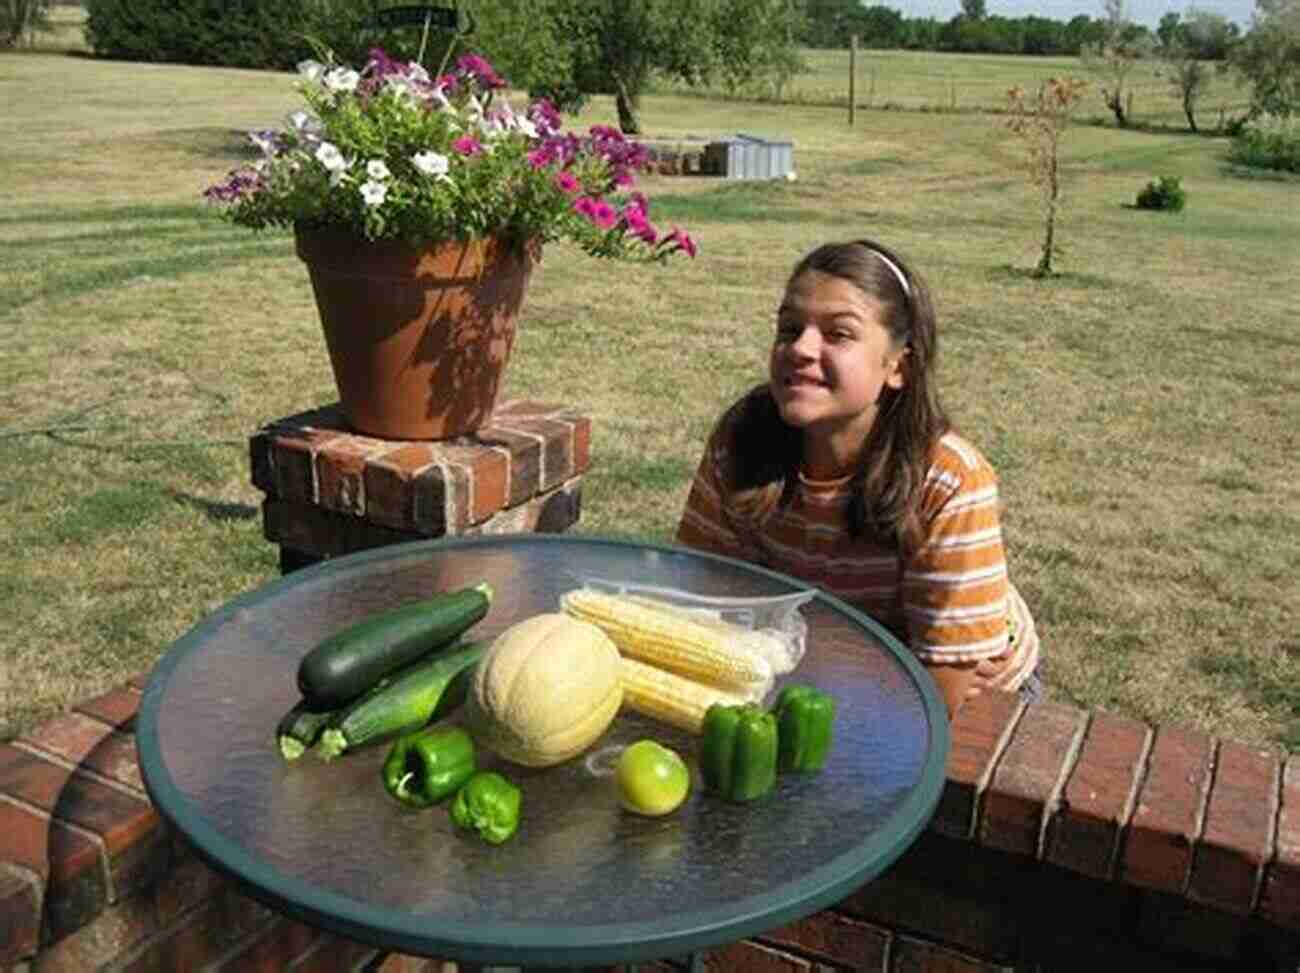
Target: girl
{"type": "Point", "coordinates": [843, 470]}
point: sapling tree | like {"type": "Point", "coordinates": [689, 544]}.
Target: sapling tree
{"type": "Point", "coordinates": [1040, 120]}
{"type": "Point", "coordinates": [1116, 55]}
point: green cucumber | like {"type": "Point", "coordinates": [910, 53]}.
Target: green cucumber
{"type": "Point", "coordinates": [347, 664]}
{"type": "Point", "coordinates": [425, 691]}
{"type": "Point", "coordinates": [300, 728]}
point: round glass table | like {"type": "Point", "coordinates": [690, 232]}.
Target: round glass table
{"type": "Point", "coordinates": [582, 882]}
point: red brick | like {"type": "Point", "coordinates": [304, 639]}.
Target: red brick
{"type": "Point", "coordinates": [293, 465]}
{"type": "Point", "coordinates": [324, 533]}
{"type": "Point", "coordinates": [20, 914]}
{"type": "Point", "coordinates": [201, 936]}
{"type": "Point", "coordinates": [487, 471]}
{"type": "Point", "coordinates": [1170, 807]}
{"type": "Point", "coordinates": [1172, 924]}
{"type": "Point", "coordinates": [114, 934]}
{"type": "Point", "coordinates": [551, 513]}
{"type": "Point", "coordinates": [334, 955]}
{"type": "Point", "coordinates": [557, 449]}
{"type": "Point", "coordinates": [389, 486]}
{"type": "Point", "coordinates": [1280, 897]}
{"type": "Point", "coordinates": [92, 745]}
{"type": "Point", "coordinates": [340, 472]}
{"type": "Point", "coordinates": [835, 938]}
{"type": "Point", "coordinates": [44, 846]}
{"type": "Point", "coordinates": [751, 957]}
{"type": "Point", "coordinates": [972, 907]}
{"type": "Point", "coordinates": [581, 441]}
{"type": "Point", "coordinates": [261, 468]}
{"type": "Point", "coordinates": [440, 500]}
{"type": "Point", "coordinates": [524, 452]}
{"type": "Point", "coordinates": [117, 708]}
{"type": "Point", "coordinates": [117, 818]}
{"type": "Point", "coordinates": [980, 731]}
{"type": "Point", "coordinates": [1028, 779]}
{"type": "Point", "coordinates": [1237, 839]}
{"type": "Point", "coordinates": [1083, 835]}
{"type": "Point", "coordinates": [914, 956]}
{"type": "Point", "coordinates": [272, 950]}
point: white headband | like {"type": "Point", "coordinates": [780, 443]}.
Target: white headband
{"type": "Point", "coordinates": [902, 281]}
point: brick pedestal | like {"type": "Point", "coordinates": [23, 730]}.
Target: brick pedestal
{"type": "Point", "coordinates": [330, 491]}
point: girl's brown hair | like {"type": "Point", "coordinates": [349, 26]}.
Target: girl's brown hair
{"type": "Point", "coordinates": [886, 488]}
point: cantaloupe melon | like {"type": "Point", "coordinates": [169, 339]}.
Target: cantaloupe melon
{"type": "Point", "coordinates": [546, 689]}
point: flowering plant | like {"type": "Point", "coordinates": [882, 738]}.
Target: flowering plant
{"type": "Point", "coordinates": [391, 153]}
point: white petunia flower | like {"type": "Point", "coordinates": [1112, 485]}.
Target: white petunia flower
{"type": "Point", "coordinates": [417, 73]}
{"type": "Point", "coordinates": [525, 125]}
{"type": "Point", "coordinates": [342, 79]}
{"type": "Point", "coordinates": [373, 193]}
{"type": "Point", "coordinates": [376, 169]}
{"type": "Point", "coordinates": [311, 70]}
{"type": "Point", "coordinates": [300, 121]}
{"type": "Point", "coordinates": [397, 86]}
{"type": "Point", "coordinates": [432, 163]}
{"type": "Point", "coordinates": [328, 155]}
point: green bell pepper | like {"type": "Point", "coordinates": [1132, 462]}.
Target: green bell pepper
{"type": "Point", "coordinates": [738, 752]}
{"type": "Point", "coordinates": [424, 767]}
{"type": "Point", "coordinates": [488, 804]}
{"type": "Point", "coordinates": [804, 715]}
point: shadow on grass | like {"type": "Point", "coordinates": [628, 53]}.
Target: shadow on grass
{"type": "Point", "coordinates": [218, 511]}
{"type": "Point", "coordinates": [1065, 278]}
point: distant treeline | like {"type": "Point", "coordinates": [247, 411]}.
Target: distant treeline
{"type": "Point", "coordinates": [831, 23]}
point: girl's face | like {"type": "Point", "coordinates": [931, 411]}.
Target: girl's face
{"type": "Point", "coordinates": [832, 358]}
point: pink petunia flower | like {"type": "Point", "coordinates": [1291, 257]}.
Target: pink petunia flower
{"type": "Point", "coordinates": [540, 158]}
{"type": "Point", "coordinates": [603, 214]}
{"type": "Point", "coordinates": [467, 145]}
{"type": "Point", "coordinates": [567, 181]}
{"type": "Point", "coordinates": [681, 240]}
{"type": "Point", "coordinates": [584, 205]}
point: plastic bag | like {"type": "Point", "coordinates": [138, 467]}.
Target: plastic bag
{"type": "Point", "coordinates": [776, 629]}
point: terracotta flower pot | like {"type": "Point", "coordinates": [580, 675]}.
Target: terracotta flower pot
{"type": "Point", "coordinates": [419, 337]}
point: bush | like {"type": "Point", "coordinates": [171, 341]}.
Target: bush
{"type": "Point", "coordinates": [266, 34]}
{"type": "Point", "coordinates": [1166, 194]}
{"type": "Point", "coordinates": [1268, 142]}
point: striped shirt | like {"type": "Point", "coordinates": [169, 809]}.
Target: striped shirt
{"type": "Point", "coordinates": [950, 602]}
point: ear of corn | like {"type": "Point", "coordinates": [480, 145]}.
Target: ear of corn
{"type": "Point", "coordinates": [668, 639]}
{"type": "Point", "coordinates": [668, 697]}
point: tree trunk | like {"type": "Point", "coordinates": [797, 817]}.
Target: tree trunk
{"type": "Point", "coordinates": [1116, 104]}
{"type": "Point", "coordinates": [629, 123]}
{"type": "Point", "coordinates": [1189, 109]}
{"type": "Point", "coordinates": [1051, 195]}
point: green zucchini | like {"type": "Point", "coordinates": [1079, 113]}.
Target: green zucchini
{"type": "Point", "coordinates": [300, 728]}
{"type": "Point", "coordinates": [425, 691]}
{"type": "Point", "coordinates": [347, 664]}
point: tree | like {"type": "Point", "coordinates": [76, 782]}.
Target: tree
{"type": "Point", "coordinates": [1269, 57]}
{"type": "Point", "coordinates": [974, 9]}
{"type": "Point", "coordinates": [1040, 122]}
{"type": "Point", "coordinates": [1167, 30]}
{"type": "Point", "coordinates": [1185, 51]}
{"type": "Point", "coordinates": [18, 17]}
{"type": "Point", "coordinates": [1122, 46]}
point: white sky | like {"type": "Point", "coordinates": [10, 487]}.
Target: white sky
{"type": "Point", "coordinates": [1146, 12]}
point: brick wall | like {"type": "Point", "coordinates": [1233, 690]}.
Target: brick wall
{"type": "Point", "coordinates": [1064, 840]}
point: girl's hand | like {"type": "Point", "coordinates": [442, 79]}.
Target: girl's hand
{"type": "Point", "coordinates": [954, 681]}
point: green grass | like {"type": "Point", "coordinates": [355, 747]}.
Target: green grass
{"type": "Point", "coordinates": [1141, 407]}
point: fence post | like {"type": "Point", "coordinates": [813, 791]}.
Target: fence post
{"type": "Point", "coordinates": [853, 74]}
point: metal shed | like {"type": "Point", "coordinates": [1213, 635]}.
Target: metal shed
{"type": "Point", "coordinates": [750, 157]}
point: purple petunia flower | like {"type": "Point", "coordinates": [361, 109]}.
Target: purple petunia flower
{"type": "Point", "coordinates": [473, 66]}
{"type": "Point", "coordinates": [543, 114]}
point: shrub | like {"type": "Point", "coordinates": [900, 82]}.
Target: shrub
{"type": "Point", "coordinates": [266, 34]}
{"type": "Point", "coordinates": [1165, 194]}
{"type": "Point", "coordinates": [1268, 142]}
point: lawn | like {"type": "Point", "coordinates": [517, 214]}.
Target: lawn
{"type": "Point", "coordinates": [1142, 408]}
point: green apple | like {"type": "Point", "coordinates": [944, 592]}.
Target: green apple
{"type": "Point", "coordinates": [652, 779]}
